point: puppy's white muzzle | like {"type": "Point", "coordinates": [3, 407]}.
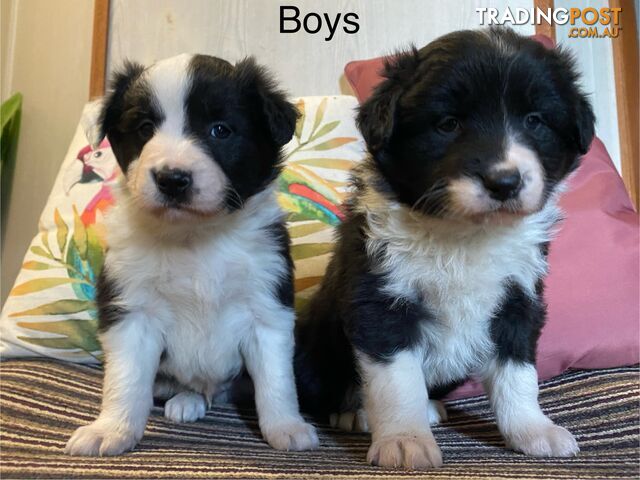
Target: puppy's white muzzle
{"type": "Point", "coordinates": [176, 174]}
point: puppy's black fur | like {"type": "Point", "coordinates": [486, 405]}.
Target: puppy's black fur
{"type": "Point", "coordinates": [465, 75]}
{"type": "Point", "coordinates": [198, 279]}
{"type": "Point", "coordinates": [243, 96]}
{"type": "Point", "coordinates": [490, 82]}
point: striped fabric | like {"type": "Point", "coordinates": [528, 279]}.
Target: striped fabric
{"type": "Point", "coordinates": [42, 402]}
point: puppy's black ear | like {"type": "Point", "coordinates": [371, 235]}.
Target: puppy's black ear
{"type": "Point", "coordinates": [585, 125]}
{"type": "Point", "coordinates": [107, 111]}
{"type": "Point", "coordinates": [376, 116]}
{"type": "Point", "coordinates": [279, 114]}
{"type": "Point", "coordinates": [583, 117]}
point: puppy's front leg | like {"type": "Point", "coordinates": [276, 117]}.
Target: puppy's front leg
{"type": "Point", "coordinates": [512, 387]}
{"type": "Point", "coordinates": [268, 357]}
{"type": "Point", "coordinates": [132, 350]}
{"type": "Point", "coordinates": [395, 401]}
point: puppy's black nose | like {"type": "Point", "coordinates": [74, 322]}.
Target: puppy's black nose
{"type": "Point", "coordinates": [503, 184]}
{"type": "Point", "coordinates": [173, 182]}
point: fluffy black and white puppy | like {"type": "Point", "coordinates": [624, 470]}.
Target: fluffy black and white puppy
{"type": "Point", "coordinates": [197, 281]}
{"type": "Point", "coordinates": [438, 268]}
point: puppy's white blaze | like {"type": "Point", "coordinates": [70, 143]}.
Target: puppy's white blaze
{"type": "Point", "coordinates": [166, 151]}
{"type": "Point", "coordinates": [170, 85]}
{"type": "Point", "coordinates": [528, 164]}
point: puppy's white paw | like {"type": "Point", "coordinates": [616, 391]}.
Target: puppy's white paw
{"type": "Point", "coordinates": [292, 435]}
{"type": "Point", "coordinates": [436, 411]}
{"type": "Point", "coordinates": [101, 439]}
{"type": "Point", "coordinates": [350, 421]}
{"type": "Point", "coordinates": [414, 452]}
{"type": "Point", "coordinates": [543, 440]}
{"type": "Point", "coordinates": [185, 407]}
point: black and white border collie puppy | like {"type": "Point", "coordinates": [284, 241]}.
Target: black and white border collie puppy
{"type": "Point", "coordinates": [439, 266]}
{"type": "Point", "coordinates": [197, 281]}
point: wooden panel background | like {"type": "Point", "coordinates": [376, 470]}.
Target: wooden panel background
{"type": "Point", "coordinates": [99, 46]}
{"type": "Point", "coordinates": [305, 64]}
{"type": "Point", "coordinates": [625, 60]}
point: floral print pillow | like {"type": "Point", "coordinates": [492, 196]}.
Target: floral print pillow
{"type": "Point", "coordinates": [51, 312]}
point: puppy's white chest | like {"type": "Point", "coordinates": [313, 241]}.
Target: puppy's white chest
{"type": "Point", "coordinates": [462, 296]}
{"type": "Point", "coordinates": [196, 282]}
{"type": "Point", "coordinates": [461, 283]}
{"type": "Point", "coordinates": [206, 317]}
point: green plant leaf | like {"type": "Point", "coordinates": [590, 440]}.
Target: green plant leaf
{"type": "Point", "coordinates": [307, 250]}
{"type": "Point", "coordinates": [79, 234]}
{"type": "Point", "coordinates": [330, 144]}
{"type": "Point", "coordinates": [319, 115]}
{"type": "Point", "coordinates": [333, 163]}
{"type": "Point", "coordinates": [326, 129]}
{"type": "Point", "coordinates": [74, 333]}
{"type": "Point", "coordinates": [296, 231]}
{"type": "Point", "coordinates": [45, 240]}
{"type": "Point", "coordinates": [73, 261]}
{"type": "Point", "coordinates": [300, 120]}
{"type": "Point", "coordinates": [63, 231]}
{"type": "Point", "coordinates": [38, 250]}
{"type": "Point", "coordinates": [33, 265]}
{"type": "Point", "coordinates": [59, 307]}
{"type": "Point", "coordinates": [293, 217]}
{"type": "Point", "coordinates": [95, 252]}
{"type": "Point", "coordinates": [61, 343]}
{"type": "Point", "coordinates": [299, 209]}
{"type": "Point", "coordinates": [295, 173]}
{"type": "Point", "coordinates": [39, 284]}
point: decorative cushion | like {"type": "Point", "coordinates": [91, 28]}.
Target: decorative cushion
{"type": "Point", "coordinates": [50, 310]}
{"type": "Point", "coordinates": [593, 288]}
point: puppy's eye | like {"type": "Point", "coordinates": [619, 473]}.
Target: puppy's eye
{"type": "Point", "coordinates": [449, 125]}
{"type": "Point", "coordinates": [220, 130]}
{"type": "Point", "coordinates": [146, 129]}
{"type": "Point", "coordinates": [532, 121]}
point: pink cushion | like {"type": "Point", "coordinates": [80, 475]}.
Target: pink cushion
{"type": "Point", "coordinates": [593, 287]}
{"type": "Point", "coordinates": [363, 76]}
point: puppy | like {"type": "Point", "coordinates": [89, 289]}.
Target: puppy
{"type": "Point", "coordinates": [438, 269]}
{"type": "Point", "coordinates": [197, 281]}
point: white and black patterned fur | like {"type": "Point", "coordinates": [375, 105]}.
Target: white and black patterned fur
{"type": "Point", "coordinates": [197, 282]}
{"type": "Point", "coordinates": [438, 268]}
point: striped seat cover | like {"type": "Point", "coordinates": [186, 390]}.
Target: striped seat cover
{"type": "Point", "coordinates": [43, 401]}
